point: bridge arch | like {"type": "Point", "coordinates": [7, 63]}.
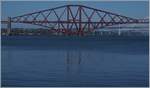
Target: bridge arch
{"type": "Point", "coordinates": [74, 19]}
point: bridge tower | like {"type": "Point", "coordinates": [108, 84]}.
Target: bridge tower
{"type": "Point", "coordinates": [9, 26]}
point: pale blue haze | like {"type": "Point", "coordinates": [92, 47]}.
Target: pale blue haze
{"type": "Point", "coordinates": [137, 9]}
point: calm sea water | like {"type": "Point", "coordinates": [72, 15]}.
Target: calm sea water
{"type": "Point", "coordinates": [38, 61]}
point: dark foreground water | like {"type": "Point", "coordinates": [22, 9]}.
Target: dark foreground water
{"type": "Point", "coordinates": [45, 61]}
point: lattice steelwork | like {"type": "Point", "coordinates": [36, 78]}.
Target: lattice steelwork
{"type": "Point", "coordinates": [74, 19]}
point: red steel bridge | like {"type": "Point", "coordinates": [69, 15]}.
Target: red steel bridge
{"type": "Point", "coordinates": [73, 19]}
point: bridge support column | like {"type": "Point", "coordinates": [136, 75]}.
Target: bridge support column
{"type": "Point", "coordinates": [9, 26]}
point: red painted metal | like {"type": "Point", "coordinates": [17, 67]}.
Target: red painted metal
{"type": "Point", "coordinates": [75, 19]}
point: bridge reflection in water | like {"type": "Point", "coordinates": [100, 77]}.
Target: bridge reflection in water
{"type": "Point", "coordinates": [73, 64]}
{"type": "Point", "coordinates": [96, 64]}
{"type": "Point", "coordinates": [73, 58]}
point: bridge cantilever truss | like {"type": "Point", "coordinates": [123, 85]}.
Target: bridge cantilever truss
{"type": "Point", "coordinates": [74, 19]}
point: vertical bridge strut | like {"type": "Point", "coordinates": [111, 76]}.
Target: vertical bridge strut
{"type": "Point", "coordinates": [9, 26]}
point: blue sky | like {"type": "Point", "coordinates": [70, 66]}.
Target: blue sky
{"type": "Point", "coordinates": [138, 9]}
{"type": "Point", "coordinates": [135, 9]}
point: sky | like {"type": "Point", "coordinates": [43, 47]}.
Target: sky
{"type": "Point", "coordinates": [134, 9]}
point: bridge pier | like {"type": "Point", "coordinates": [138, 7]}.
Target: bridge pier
{"type": "Point", "coordinates": [9, 26]}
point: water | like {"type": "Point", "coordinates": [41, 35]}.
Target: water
{"type": "Point", "coordinates": [45, 61]}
